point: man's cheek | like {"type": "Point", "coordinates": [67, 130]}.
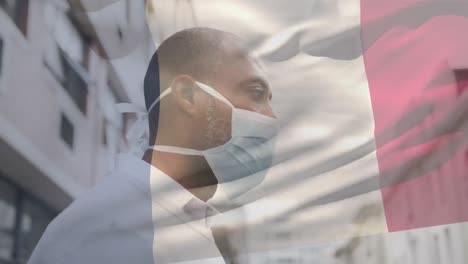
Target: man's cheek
{"type": "Point", "coordinates": [218, 130]}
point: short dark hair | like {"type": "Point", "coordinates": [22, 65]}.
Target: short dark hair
{"type": "Point", "coordinates": [197, 52]}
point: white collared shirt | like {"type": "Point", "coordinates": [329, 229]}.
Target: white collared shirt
{"type": "Point", "coordinates": [137, 214]}
{"type": "Point", "coordinates": [179, 218]}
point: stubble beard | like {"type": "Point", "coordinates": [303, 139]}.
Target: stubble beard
{"type": "Point", "coordinates": [217, 131]}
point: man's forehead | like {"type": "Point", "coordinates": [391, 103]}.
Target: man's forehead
{"type": "Point", "coordinates": [259, 71]}
{"type": "Point", "coordinates": [256, 71]}
{"type": "Point", "coordinates": [244, 64]}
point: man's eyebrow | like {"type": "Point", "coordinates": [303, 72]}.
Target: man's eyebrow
{"type": "Point", "coordinates": [257, 80]}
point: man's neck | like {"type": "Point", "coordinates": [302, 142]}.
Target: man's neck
{"type": "Point", "coordinates": [192, 172]}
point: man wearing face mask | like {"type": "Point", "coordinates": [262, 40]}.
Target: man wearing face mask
{"type": "Point", "coordinates": [212, 133]}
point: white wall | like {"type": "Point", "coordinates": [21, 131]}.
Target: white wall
{"type": "Point", "coordinates": [32, 100]}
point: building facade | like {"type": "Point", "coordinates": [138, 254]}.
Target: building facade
{"type": "Point", "coordinates": [58, 126]}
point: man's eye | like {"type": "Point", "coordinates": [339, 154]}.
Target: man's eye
{"type": "Point", "coordinates": [257, 93]}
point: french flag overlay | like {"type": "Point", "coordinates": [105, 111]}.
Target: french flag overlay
{"type": "Point", "coordinates": [374, 104]}
{"type": "Point", "coordinates": [415, 55]}
{"type": "Point", "coordinates": [372, 100]}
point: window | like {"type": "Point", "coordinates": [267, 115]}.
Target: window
{"type": "Point", "coordinates": [437, 254]}
{"type": "Point", "coordinates": [104, 133]}
{"type": "Point", "coordinates": [7, 220]}
{"type": "Point", "coordinates": [72, 37]}
{"type": "Point", "coordinates": [449, 245]}
{"type": "Point", "coordinates": [461, 76]}
{"type": "Point", "coordinates": [1, 55]}
{"type": "Point", "coordinates": [119, 33]}
{"type": "Point", "coordinates": [127, 10]}
{"type": "Point", "coordinates": [23, 220]}
{"type": "Point", "coordinates": [86, 53]}
{"type": "Point", "coordinates": [73, 53]}
{"type": "Point", "coordinates": [414, 249]}
{"type": "Point", "coordinates": [67, 131]}
{"type": "Point", "coordinates": [74, 83]}
{"type": "Point", "coordinates": [18, 11]}
{"type": "Point", "coordinates": [33, 221]}
{"type": "Point", "coordinates": [117, 99]}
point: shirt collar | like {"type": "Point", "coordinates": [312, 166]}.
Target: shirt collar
{"type": "Point", "coordinates": [166, 191]}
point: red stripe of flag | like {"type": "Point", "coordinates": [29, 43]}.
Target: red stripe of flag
{"type": "Point", "coordinates": [414, 54]}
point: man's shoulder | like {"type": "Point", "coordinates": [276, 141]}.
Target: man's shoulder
{"type": "Point", "coordinates": [98, 244]}
{"type": "Point", "coordinates": [114, 214]}
{"type": "Point", "coordinates": [111, 199]}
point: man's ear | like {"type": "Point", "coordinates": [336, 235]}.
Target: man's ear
{"type": "Point", "coordinates": [183, 89]}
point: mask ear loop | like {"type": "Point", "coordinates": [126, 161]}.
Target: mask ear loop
{"type": "Point", "coordinates": [136, 132]}
{"type": "Point", "coordinates": [214, 93]}
{"type": "Point", "coordinates": [187, 151]}
{"type": "Point", "coordinates": [176, 150]}
{"type": "Point", "coordinates": [163, 94]}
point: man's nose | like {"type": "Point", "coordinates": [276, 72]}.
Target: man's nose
{"type": "Point", "coordinates": [268, 111]}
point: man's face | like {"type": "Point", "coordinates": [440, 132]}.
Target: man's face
{"type": "Point", "coordinates": [244, 83]}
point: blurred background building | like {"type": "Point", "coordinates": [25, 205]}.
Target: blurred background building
{"type": "Point", "coordinates": [65, 63]}
{"type": "Point", "coordinates": [58, 127]}
{"type": "Point", "coordinates": [434, 245]}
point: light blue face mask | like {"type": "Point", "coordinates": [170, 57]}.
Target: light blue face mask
{"type": "Point", "coordinates": [242, 162]}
